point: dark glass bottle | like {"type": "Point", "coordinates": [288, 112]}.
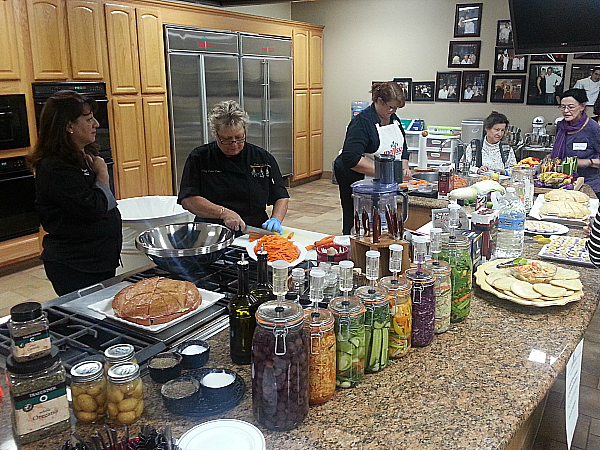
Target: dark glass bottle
{"type": "Point", "coordinates": [241, 320]}
{"type": "Point", "coordinates": [262, 290]}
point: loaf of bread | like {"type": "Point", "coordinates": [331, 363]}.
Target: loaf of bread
{"type": "Point", "coordinates": [156, 300]}
{"type": "Point", "coordinates": [566, 196]}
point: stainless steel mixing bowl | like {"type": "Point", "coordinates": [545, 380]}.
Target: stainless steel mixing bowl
{"type": "Point", "coordinates": [185, 248]}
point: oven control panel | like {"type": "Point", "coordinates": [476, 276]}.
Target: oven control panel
{"type": "Point", "coordinates": [16, 164]}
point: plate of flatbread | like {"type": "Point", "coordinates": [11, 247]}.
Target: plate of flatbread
{"type": "Point", "coordinates": [564, 287]}
{"type": "Point", "coordinates": [571, 208]}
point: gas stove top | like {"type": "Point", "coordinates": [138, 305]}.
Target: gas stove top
{"type": "Point", "coordinates": [83, 334]}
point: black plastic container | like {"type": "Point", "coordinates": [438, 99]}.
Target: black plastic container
{"type": "Point", "coordinates": [165, 366]}
{"type": "Point", "coordinates": [193, 360]}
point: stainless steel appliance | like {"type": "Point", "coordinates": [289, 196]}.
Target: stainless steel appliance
{"type": "Point", "coordinates": [95, 90]}
{"type": "Point", "coordinates": [205, 67]}
{"type": "Point", "coordinates": [17, 197]}
{"type": "Point", "coordinates": [14, 130]}
{"type": "Point", "coordinates": [267, 95]}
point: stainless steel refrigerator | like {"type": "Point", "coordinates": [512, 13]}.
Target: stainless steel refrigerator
{"type": "Point", "coordinates": [267, 94]}
{"type": "Point", "coordinates": [204, 67]}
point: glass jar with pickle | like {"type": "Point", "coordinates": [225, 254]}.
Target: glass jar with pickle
{"type": "Point", "coordinates": [455, 251]}
{"type": "Point", "coordinates": [400, 309]}
{"type": "Point", "coordinates": [125, 393]}
{"type": "Point", "coordinates": [349, 327]}
{"type": "Point", "coordinates": [423, 306]}
{"type": "Point", "coordinates": [88, 390]}
{"type": "Point", "coordinates": [318, 324]}
{"type": "Point", "coordinates": [377, 327]}
{"type": "Point", "coordinates": [443, 293]}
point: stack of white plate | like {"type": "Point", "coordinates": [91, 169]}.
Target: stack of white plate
{"type": "Point", "coordinates": [223, 434]}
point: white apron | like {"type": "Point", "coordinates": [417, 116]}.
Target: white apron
{"type": "Point", "coordinates": [391, 141]}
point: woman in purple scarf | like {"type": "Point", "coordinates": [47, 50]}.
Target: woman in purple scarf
{"type": "Point", "coordinates": [578, 135]}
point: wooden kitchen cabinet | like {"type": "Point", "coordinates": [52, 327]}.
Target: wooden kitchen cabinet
{"type": "Point", "coordinates": [315, 58]}
{"type": "Point", "coordinates": [130, 157]}
{"type": "Point", "coordinates": [316, 131]}
{"type": "Point", "coordinates": [158, 149]}
{"type": "Point", "coordinates": [151, 50]}
{"type": "Point", "coordinates": [85, 39]}
{"type": "Point", "coordinates": [122, 49]}
{"type": "Point", "coordinates": [301, 49]}
{"type": "Point", "coordinates": [301, 160]}
{"type": "Point", "coordinates": [9, 58]}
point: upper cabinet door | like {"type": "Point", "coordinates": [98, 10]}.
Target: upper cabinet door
{"type": "Point", "coordinates": [48, 41]}
{"type": "Point", "coordinates": [9, 59]}
{"type": "Point", "coordinates": [151, 48]}
{"type": "Point", "coordinates": [300, 58]}
{"type": "Point", "coordinates": [316, 59]}
{"type": "Point", "coordinates": [85, 39]}
{"type": "Point", "coordinates": [122, 49]}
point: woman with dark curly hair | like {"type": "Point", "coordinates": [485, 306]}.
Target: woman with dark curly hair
{"type": "Point", "coordinates": [73, 198]}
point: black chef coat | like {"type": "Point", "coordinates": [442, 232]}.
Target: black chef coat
{"type": "Point", "coordinates": [80, 216]}
{"type": "Point", "coordinates": [245, 183]}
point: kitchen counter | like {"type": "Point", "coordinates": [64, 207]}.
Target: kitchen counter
{"type": "Point", "coordinates": [419, 210]}
{"type": "Point", "coordinates": [474, 387]}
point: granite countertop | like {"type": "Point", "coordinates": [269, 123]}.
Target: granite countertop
{"type": "Point", "coordinates": [472, 388]}
{"type": "Point", "coordinates": [426, 202]}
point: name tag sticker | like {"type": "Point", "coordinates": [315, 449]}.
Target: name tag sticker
{"type": "Point", "coordinates": [579, 145]}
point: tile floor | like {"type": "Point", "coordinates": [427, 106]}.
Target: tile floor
{"type": "Point", "coordinates": [315, 206]}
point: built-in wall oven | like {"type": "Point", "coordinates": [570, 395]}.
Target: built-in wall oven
{"type": "Point", "coordinates": [95, 90]}
{"type": "Point", "coordinates": [14, 130]}
{"type": "Point", "coordinates": [17, 196]}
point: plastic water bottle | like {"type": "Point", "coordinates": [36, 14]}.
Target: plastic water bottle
{"type": "Point", "coordinates": [511, 226]}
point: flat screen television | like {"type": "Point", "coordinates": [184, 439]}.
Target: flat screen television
{"type": "Point", "coordinates": [555, 26]}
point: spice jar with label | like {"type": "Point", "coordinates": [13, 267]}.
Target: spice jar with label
{"type": "Point", "coordinates": [29, 331]}
{"type": "Point", "coordinates": [88, 390]}
{"type": "Point", "coordinates": [318, 324]}
{"type": "Point", "coordinates": [280, 366]}
{"type": "Point", "coordinates": [349, 327]}
{"type": "Point", "coordinates": [400, 309]}
{"type": "Point", "coordinates": [377, 327]}
{"type": "Point", "coordinates": [443, 293]}
{"type": "Point", "coordinates": [117, 354]}
{"type": "Point", "coordinates": [38, 394]}
{"type": "Point", "coordinates": [125, 393]}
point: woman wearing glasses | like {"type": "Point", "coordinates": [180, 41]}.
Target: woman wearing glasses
{"type": "Point", "coordinates": [376, 129]}
{"type": "Point", "coordinates": [578, 135]}
{"type": "Point", "coordinates": [231, 181]}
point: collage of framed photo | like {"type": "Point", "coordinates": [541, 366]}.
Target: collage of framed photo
{"type": "Point", "coordinates": [447, 86]}
{"type": "Point", "coordinates": [467, 20]}
{"type": "Point", "coordinates": [474, 86]}
{"type": "Point", "coordinates": [461, 53]}
{"type": "Point", "coordinates": [507, 88]}
{"type": "Point", "coordinates": [423, 91]}
{"type": "Point", "coordinates": [546, 83]}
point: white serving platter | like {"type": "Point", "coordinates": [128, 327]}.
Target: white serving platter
{"type": "Point", "coordinates": [302, 256]}
{"type": "Point", "coordinates": [557, 228]}
{"type": "Point", "coordinates": [104, 307]}
{"type": "Point", "coordinates": [579, 257]}
{"type": "Point", "coordinates": [223, 434]}
{"type": "Point", "coordinates": [539, 201]}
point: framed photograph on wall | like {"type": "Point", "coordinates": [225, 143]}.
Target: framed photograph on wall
{"type": "Point", "coordinates": [423, 91]}
{"type": "Point", "coordinates": [552, 57]}
{"type": "Point", "coordinates": [587, 56]}
{"type": "Point", "coordinates": [474, 86]}
{"type": "Point", "coordinates": [467, 20]}
{"type": "Point", "coordinates": [505, 61]}
{"type": "Point", "coordinates": [504, 35]}
{"type": "Point", "coordinates": [464, 53]}
{"type": "Point", "coordinates": [404, 84]}
{"type": "Point", "coordinates": [546, 82]}
{"type": "Point", "coordinates": [447, 86]}
{"type": "Point", "coordinates": [508, 89]}
{"type": "Point", "coordinates": [582, 72]}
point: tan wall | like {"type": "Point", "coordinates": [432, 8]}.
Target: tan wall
{"type": "Point", "coordinates": [383, 39]}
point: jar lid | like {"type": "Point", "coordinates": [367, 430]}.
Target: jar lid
{"type": "Point", "coordinates": [87, 371]}
{"type": "Point", "coordinates": [348, 306]}
{"type": "Point", "coordinates": [277, 312]}
{"type": "Point", "coordinates": [123, 372]}
{"type": "Point", "coordinates": [438, 268]}
{"type": "Point", "coordinates": [33, 366]}
{"type": "Point", "coordinates": [399, 284]}
{"type": "Point", "coordinates": [119, 353]}
{"type": "Point", "coordinates": [416, 276]}
{"type": "Point", "coordinates": [24, 312]}
{"type": "Point", "coordinates": [371, 294]}
{"type": "Point", "coordinates": [318, 318]}
{"type": "Point", "coordinates": [456, 241]}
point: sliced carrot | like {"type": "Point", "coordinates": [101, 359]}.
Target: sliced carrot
{"type": "Point", "coordinates": [279, 248]}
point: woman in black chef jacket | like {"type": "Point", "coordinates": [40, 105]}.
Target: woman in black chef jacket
{"type": "Point", "coordinates": [375, 130]}
{"type": "Point", "coordinates": [231, 181]}
{"type": "Point", "coordinates": [73, 198]}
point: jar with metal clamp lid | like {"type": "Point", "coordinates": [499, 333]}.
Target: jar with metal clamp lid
{"type": "Point", "coordinates": [443, 293]}
{"type": "Point", "coordinates": [318, 324]}
{"type": "Point", "coordinates": [117, 354]}
{"type": "Point", "coordinates": [455, 251]}
{"type": "Point", "coordinates": [377, 326]}
{"type": "Point", "coordinates": [88, 390]}
{"type": "Point", "coordinates": [423, 306]}
{"type": "Point", "coordinates": [349, 327]}
{"type": "Point", "coordinates": [400, 309]}
{"type": "Point", "coordinates": [280, 366]}
{"type": "Point", "coordinates": [125, 396]}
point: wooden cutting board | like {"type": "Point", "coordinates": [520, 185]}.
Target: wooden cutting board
{"type": "Point", "coordinates": [576, 187]}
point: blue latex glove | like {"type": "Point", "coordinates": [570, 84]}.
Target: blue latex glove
{"type": "Point", "coordinates": [273, 224]}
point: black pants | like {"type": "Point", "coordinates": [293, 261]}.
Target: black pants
{"type": "Point", "coordinates": [345, 199]}
{"type": "Point", "coordinates": [65, 279]}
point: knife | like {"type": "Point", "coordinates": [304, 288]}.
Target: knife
{"type": "Point", "coordinates": [254, 230]}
